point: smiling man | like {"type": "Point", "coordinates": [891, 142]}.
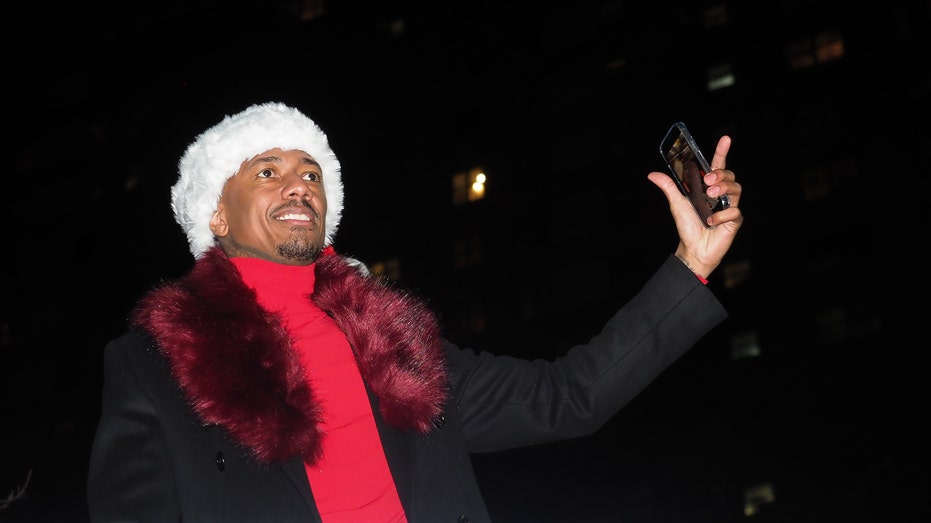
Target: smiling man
{"type": "Point", "coordinates": [278, 381]}
{"type": "Point", "coordinates": [273, 209]}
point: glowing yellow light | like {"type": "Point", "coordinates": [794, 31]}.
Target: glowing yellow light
{"type": "Point", "coordinates": [477, 187]}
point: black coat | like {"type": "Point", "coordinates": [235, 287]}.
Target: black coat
{"type": "Point", "coordinates": [159, 456]}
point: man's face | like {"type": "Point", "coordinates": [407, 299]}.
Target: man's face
{"type": "Point", "coordinates": [273, 208]}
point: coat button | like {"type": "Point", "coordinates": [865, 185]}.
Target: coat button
{"type": "Point", "coordinates": [440, 421]}
{"type": "Point", "coordinates": [221, 461]}
{"type": "Point", "coordinates": [463, 518]}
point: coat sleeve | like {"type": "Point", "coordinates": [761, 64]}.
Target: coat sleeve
{"type": "Point", "coordinates": [129, 475]}
{"type": "Point", "coordinates": [506, 402]}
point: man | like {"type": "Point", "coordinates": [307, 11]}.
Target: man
{"type": "Point", "coordinates": [277, 381]}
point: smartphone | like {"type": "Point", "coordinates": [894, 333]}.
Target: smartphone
{"type": "Point", "coordinates": [687, 167]}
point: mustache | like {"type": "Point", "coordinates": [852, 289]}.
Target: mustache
{"type": "Point", "coordinates": [301, 204]}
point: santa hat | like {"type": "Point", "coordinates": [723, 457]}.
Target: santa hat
{"type": "Point", "coordinates": [216, 155]}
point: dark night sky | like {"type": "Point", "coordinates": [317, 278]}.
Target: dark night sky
{"type": "Point", "coordinates": [104, 98]}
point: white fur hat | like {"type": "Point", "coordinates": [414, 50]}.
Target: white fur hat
{"type": "Point", "coordinates": [216, 155]}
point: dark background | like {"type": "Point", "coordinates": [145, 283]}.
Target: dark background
{"type": "Point", "coordinates": [563, 105]}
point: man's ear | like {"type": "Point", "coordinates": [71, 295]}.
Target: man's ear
{"type": "Point", "coordinates": [218, 225]}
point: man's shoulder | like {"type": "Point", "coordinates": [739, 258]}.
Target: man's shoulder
{"type": "Point", "coordinates": [134, 344]}
{"type": "Point", "coordinates": [132, 337]}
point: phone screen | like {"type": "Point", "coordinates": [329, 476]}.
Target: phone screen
{"type": "Point", "coordinates": [687, 167]}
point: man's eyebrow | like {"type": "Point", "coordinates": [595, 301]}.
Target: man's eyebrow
{"type": "Point", "coordinates": [265, 159]}
{"type": "Point", "coordinates": [273, 159]}
{"type": "Point", "coordinates": [310, 161]}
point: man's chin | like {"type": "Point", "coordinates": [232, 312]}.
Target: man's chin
{"type": "Point", "coordinates": [300, 251]}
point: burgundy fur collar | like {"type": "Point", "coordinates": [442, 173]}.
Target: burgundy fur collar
{"type": "Point", "coordinates": [234, 363]}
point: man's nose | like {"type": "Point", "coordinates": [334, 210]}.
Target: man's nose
{"type": "Point", "coordinates": [295, 185]}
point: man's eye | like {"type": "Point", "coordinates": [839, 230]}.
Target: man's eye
{"type": "Point", "coordinates": [266, 173]}
{"type": "Point", "coordinates": [312, 176]}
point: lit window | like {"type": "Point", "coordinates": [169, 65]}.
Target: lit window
{"type": "Point", "coordinates": [758, 496]}
{"type": "Point", "coordinates": [715, 16]}
{"type": "Point", "coordinates": [460, 188]}
{"type": "Point", "coordinates": [720, 77]}
{"type": "Point", "coordinates": [799, 54]}
{"type": "Point", "coordinates": [736, 272]}
{"type": "Point", "coordinates": [469, 187]}
{"type": "Point", "coordinates": [815, 184]}
{"type": "Point", "coordinates": [476, 185]}
{"type": "Point", "coordinates": [311, 9]}
{"type": "Point", "coordinates": [388, 270]}
{"type": "Point", "coordinates": [829, 46]}
{"type": "Point", "coordinates": [745, 345]}
{"type": "Point", "coordinates": [396, 28]}
{"type": "Point", "coordinates": [824, 47]}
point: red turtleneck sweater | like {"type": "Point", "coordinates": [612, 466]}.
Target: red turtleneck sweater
{"type": "Point", "coordinates": [351, 482]}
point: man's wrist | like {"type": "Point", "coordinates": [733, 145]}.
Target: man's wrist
{"type": "Point", "coordinates": [688, 266]}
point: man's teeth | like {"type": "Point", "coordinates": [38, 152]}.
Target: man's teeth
{"type": "Point", "coordinates": [302, 217]}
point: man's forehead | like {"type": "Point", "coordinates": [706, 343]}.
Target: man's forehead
{"type": "Point", "coordinates": [277, 155]}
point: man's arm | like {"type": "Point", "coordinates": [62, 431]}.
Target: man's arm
{"type": "Point", "coordinates": [129, 476]}
{"type": "Point", "coordinates": [506, 402]}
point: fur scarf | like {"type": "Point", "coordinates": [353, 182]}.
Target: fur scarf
{"type": "Point", "coordinates": [234, 363]}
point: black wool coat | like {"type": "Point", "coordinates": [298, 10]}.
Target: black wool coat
{"type": "Point", "coordinates": [207, 417]}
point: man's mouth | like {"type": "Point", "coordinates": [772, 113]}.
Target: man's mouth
{"type": "Point", "coordinates": [293, 216]}
{"type": "Point", "coordinates": [295, 212]}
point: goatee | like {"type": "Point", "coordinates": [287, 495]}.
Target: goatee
{"type": "Point", "coordinates": [299, 250]}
